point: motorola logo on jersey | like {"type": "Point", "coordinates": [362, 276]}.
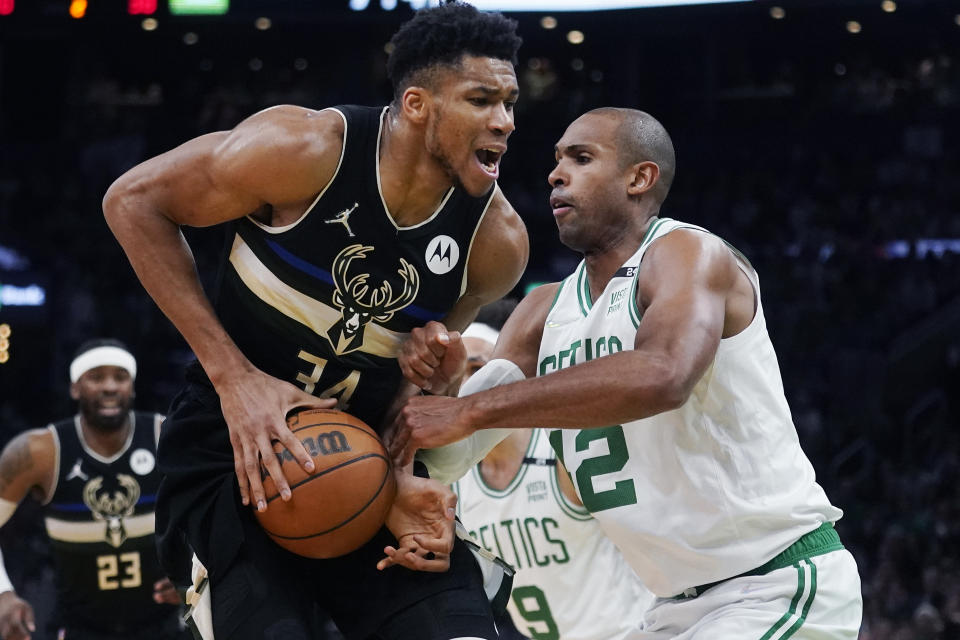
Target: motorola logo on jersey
{"type": "Point", "coordinates": [442, 255]}
{"type": "Point", "coordinates": [112, 506]}
{"type": "Point", "coordinates": [361, 304]}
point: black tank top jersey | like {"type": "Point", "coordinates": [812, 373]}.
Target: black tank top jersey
{"type": "Point", "coordinates": [325, 302]}
{"type": "Point", "coordinates": [100, 520]}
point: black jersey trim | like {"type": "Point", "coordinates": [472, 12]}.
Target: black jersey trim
{"type": "Point", "coordinates": [343, 151]}
{"type": "Point", "coordinates": [473, 236]}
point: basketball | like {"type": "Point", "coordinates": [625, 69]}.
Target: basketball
{"type": "Point", "coordinates": [343, 503]}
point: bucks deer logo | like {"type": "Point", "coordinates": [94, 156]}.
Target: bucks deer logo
{"type": "Point", "coordinates": [360, 304]}
{"type": "Point", "coordinates": [112, 506]}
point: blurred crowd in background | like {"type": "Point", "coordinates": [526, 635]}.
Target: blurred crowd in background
{"type": "Point", "coordinates": [828, 157]}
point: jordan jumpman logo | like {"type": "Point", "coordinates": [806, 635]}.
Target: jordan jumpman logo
{"type": "Point", "coordinates": [343, 218]}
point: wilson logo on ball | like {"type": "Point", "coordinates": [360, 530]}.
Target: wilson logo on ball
{"type": "Point", "coordinates": [323, 444]}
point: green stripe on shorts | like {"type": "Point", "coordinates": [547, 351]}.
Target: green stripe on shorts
{"type": "Point", "coordinates": [776, 632]}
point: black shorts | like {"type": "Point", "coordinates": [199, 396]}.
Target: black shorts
{"type": "Point", "coordinates": [199, 509]}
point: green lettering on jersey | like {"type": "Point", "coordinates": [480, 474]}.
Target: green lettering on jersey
{"type": "Point", "coordinates": [536, 558]}
{"type": "Point", "coordinates": [563, 559]}
{"type": "Point", "coordinates": [549, 361]}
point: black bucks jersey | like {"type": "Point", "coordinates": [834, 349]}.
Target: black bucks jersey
{"type": "Point", "coordinates": [326, 301]}
{"type": "Point", "coordinates": [100, 520]}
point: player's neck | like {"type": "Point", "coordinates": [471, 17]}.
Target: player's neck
{"type": "Point", "coordinates": [412, 182]}
{"type": "Point", "coordinates": [602, 263]}
{"type": "Point", "coordinates": [503, 463]}
{"type": "Point", "coordinates": [105, 442]}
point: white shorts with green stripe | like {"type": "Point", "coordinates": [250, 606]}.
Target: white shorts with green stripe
{"type": "Point", "coordinates": [814, 599]}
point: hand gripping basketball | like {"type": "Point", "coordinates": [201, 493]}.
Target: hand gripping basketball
{"type": "Point", "coordinates": [342, 504]}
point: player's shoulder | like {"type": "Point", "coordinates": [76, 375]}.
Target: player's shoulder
{"type": "Point", "coordinates": [500, 250]}
{"type": "Point", "coordinates": [30, 449]}
{"type": "Point", "coordinates": [298, 130]}
{"type": "Point", "coordinates": [533, 309]}
{"type": "Point", "coordinates": [503, 220]}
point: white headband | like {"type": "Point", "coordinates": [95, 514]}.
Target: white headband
{"type": "Point", "coordinates": [481, 331]}
{"type": "Point", "coordinates": [102, 357]}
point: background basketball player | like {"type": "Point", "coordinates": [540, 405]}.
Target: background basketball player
{"type": "Point", "coordinates": [519, 503]}
{"type": "Point", "coordinates": [96, 475]}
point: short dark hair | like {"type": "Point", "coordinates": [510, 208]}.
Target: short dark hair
{"type": "Point", "coordinates": [98, 342]}
{"type": "Point", "coordinates": [641, 137]}
{"type": "Point", "coordinates": [442, 35]}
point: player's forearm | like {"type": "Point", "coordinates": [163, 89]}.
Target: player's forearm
{"type": "Point", "coordinates": [613, 390]}
{"type": "Point", "coordinates": [7, 509]}
{"type": "Point", "coordinates": [164, 264]}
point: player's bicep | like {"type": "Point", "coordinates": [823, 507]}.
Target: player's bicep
{"type": "Point", "coordinates": [682, 289]}
{"type": "Point", "coordinates": [277, 156]}
{"type": "Point", "coordinates": [499, 253]}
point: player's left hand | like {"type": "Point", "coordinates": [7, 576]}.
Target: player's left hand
{"type": "Point", "coordinates": [426, 422]}
{"type": "Point", "coordinates": [164, 592]}
{"type": "Point", "coordinates": [422, 520]}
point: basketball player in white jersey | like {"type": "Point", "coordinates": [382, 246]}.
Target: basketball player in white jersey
{"type": "Point", "coordinates": [519, 503]}
{"type": "Point", "coordinates": [652, 367]}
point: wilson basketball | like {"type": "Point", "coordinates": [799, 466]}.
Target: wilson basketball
{"type": "Point", "coordinates": [344, 502]}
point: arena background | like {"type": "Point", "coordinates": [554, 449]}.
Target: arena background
{"type": "Point", "coordinates": [818, 137]}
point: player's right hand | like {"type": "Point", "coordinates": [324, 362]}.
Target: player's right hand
{"type": "Point", "coordinates": [16, 617]}
{"type": "Point", "coordinates": [255, 406]}
{"type": "Point", "coordinates": [432, 357]}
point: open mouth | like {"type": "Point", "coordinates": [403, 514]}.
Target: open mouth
{"type": "Point", "coordinates": [489, 159]}
{"type": "Point", "coordinates": [109, 408]}
{"type": "Point", "coordinates": [559, 206]}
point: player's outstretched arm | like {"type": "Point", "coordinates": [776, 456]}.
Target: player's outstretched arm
{"type": "Point", "coordinates": [427, 420]}
{"type": "Point", "coordinates": [26, 464]}
{"type": "Point", "coordinates": [684, 287]}
{"type": "Point", "coordinates": [278, 160]}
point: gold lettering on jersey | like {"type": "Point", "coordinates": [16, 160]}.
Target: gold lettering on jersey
{"type": "Point", "coordinates": [359, 304]}
{"type": "Point", "coordinates": [112, 506]}
{"type": "Point", "coordinates": [583, 350]}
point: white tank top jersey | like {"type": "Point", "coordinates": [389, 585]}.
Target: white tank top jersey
{"type": "Point", "coordinates": [571, 581]}
{"type": "Point", "coordinates": [701, 493]}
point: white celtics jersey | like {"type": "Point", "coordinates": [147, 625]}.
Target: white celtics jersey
{"type": "Point", "coordinates": [701, 493]}
{"type": "Point", "coordinates": [571, 582]}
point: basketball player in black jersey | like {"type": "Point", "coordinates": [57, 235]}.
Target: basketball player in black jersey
{"type": "Point", "coordinates": [95, 473]}
{"type": "Point", "coordinates": [351, 226]}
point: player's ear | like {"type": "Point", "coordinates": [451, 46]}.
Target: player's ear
{"type": "Point", "coordinates": [643, 177]}
{"type": "Point", "coordinates": [415, 103]}
{"type": "Point", "coordinates": [74, 391]}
